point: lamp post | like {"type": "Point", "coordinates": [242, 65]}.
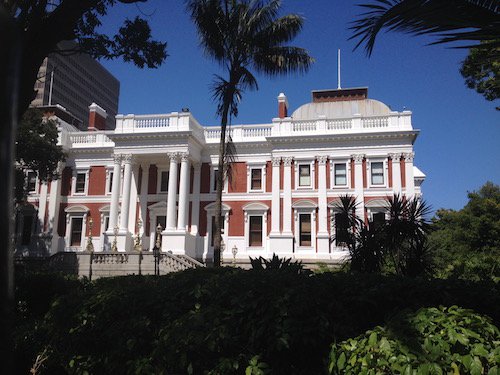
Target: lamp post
{"type": "Point", "coordinates": [234, 251]}
{"type": "Point", "coordinates": [156, 250]}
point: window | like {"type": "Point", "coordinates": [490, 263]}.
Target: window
{"type": "Point", "coordinates": [110, 183]}
{"type": "Point", "coordinates": [31, 182]}
{"type": "Point", "coordinates": [106, 224]}
{"type": "Point", "coordinates": [377, 173]}
{"type": "Point", "coordinates": [341, 226]}
{"type": "Point", "coordinates": [256, 179]}
{"type": "Point", "coordinates": [378, 220]}
{"type": "Point", "coordinates": [164, 181]}
{"type": "Point", "coordinates": [162, 220]}
{"type": "Point", "coordinates": [76, 231]}
{"type": "Point", "coordinates": [80, 183]}
{"type": "Point", "coordinates": [305, 229]}
{"type": "Point", "coordinates": [340, 178]}
{"type": "Point", "coordinates": [216, 176]}
{"type": "Point", "coordinates": [304, 175]}
{"type": "Point", "coordinates": [255, 237]}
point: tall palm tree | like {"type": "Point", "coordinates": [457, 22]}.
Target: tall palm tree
{"type": "Point", "coordinates": [243, 35]}
{"type": "Point", "coordinates": [450, 20]}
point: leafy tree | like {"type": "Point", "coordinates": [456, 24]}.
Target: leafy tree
{"type": "Point", "coordinates": [481, 70]}
{"type": "Point", "coordinates": [467, 241]}
{"type": "Point", "coordinates": [243, 35]}
{"type": "Point", "coordinates": [466, 21]}
{"type": "Point", "coordinates": [36, 149]}
{"type": "Point", "coordinates": [29, 31]}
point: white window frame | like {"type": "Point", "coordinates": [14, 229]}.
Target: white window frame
{"type": "Point", "coordinates": [255, 209]}
{"type": "Point", "coordinates": [155, 210]}
{"type": "Point", "coordinates": [37, 183]}
{"type": "Point", "coordinates": [310, 163]}
{"type": "Point", "coordinates": [212, 181]}
{"type": "Point", "coordinates": [375, 206]}
{"type": "Point", "coordinates": [347, 172]}
{"type": "Point", "coordinates": [76, 172]}
{"type": "Point", "coordinates": [158, 180]}
{"type": "Point", "coordinates": [109, 178]}
{"type": "Point", "coordinates": [369, 172]}
{"type": "Point", "coordinates": [304, 207]}
{"type": "Point", "coordinates": [72, 212]}
{"type": "Point", "coordinates": [262, 168]}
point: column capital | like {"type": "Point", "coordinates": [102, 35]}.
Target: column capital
{"type": "Point", "coordinates": [322, 159]}
{"type": "Point", "coordinates": [173, 156]}
{"type": "Point", "coordinates": [117, 158]}
{"type": "Point", "coordinates": [409, 157]}
{"type": "Point", "coordinates": [395, 156]}
{"type": "Point", "coordinates": [358, 158]}
{"type": "Point", "coordinates": [183, 156]}
{"type": "Point", "coordinates": [128, 158]}
{"type": "Point", "coordinates": [276, 161]}
{"type": "Point", "coordinates": [287, 161]}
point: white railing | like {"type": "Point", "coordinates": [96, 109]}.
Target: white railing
{"type": "Point", "coordinates": [304, 126]}
{"type": "Point", "coordinates": [155, 121]}
{"type": "Point", "coordinates": [376, 122]}
{"type": "Point", "coordinates": [90, 139]}
{"type": "Point", "coordinates": [339, 124]}
{"type": "Point", "coordinates": [257, 132]}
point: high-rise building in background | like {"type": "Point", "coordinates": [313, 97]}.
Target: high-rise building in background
{"type": "Point", "coordinates": [75, 81]}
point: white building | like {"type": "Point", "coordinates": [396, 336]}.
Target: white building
{"type": "Point", "coordinates": [160, 169]}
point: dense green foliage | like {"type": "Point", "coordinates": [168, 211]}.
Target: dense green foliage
{"type": "Point", "coordinates": [398, 245]}
{"type": "Point", "coordinates": [467, 241]}
{"type": "Point", "coordinates": [36, 149]}
{"type": "Point", "coordinates": [481, 70]}
{"type": "Point", "coordinates": [218, 321]}
{"type": "Point", "coordinates": [431, 341]}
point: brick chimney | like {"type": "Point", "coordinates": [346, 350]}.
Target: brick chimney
{"type": "Point", "coordinates": [97, 118]}
{"type": "Point", "coordinates": [282, 106]}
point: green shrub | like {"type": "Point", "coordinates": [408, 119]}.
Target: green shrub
{"type": "Point", "coordinates": [431, 341]}
{"type": "Point", "coordinates": [221, 321]}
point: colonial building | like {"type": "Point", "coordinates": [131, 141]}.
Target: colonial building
{"type": "Point", "coordinates": [160, 170]}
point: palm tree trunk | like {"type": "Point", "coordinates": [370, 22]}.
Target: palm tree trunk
{"type": "Point", "coordinates": [9, 80]}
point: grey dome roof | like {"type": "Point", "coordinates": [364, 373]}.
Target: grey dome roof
{"type": "Point", "coordinates": [341, 109]}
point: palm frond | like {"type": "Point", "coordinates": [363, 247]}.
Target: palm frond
{"type": "Point", "coordinates": [282, 60]}
{"type": "Point", "coordinates": [449, 20]}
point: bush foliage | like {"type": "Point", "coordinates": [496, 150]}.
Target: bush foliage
{"type": "Point", "coordinates": [431, 341]}
{"type": "Point", "coordinates": [216, 321]}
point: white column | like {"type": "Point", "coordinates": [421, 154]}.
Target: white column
{"type": "Point", "coordinates": [54, 207]}
{"type": "Point", "coordinates": [133, 198]}
{"type": "Point", "coordinates": [275, 203]}
{"type": "Point", "coordinates": [172, 192]}
{"type": "Point", "coordinates": [396, 173]}
{"type": "Point", "coordinates": [287, 195]}
{"type": "Point", "coordinates": [358, 182]}
{"type": "Point", "coordinates": [184, 193]}
{"type": "Point", "coordinates": [195, 216]}
{"type": "Point", "coordinates": [144, 196]}
{"type": "Point", "coordinates": [42, 205]}
{"type": "Point", "coordinates": [409, 178]}
{"type": "Point", "coordinates": [323, 237]}
{"type": "Point", "coordinates": [322, 203]}
{"type": "Point", "coordinates": [115, 194]}
{"type": "Point", "coordinates": [127, 179]}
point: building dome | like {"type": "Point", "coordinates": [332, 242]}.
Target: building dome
{"type": "Point", "coordinates": [341, 109]}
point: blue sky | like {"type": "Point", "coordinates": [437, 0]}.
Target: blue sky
{"type": "Point", "coordinates": [458, 147]}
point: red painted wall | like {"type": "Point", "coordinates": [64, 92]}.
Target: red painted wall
{"type": "Point", "coordinates": [66, 181]}
{"type": "Point", "coordinates": [152, 179]}
{"type": "Point", "coordinates": [403, 172]}
{"type": "Point", "coordinates": [238, 183]}
{"type": "Point", "coordinates": [205, 178]}
{"type": "Point", "coordinates": [389, 173]}
{"type": "Point", "coordinates": [364, 174]}
{"type": "Point", "coordinates": [97, 180]}
{"type": "Point", "coordinates": [269, 177]}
